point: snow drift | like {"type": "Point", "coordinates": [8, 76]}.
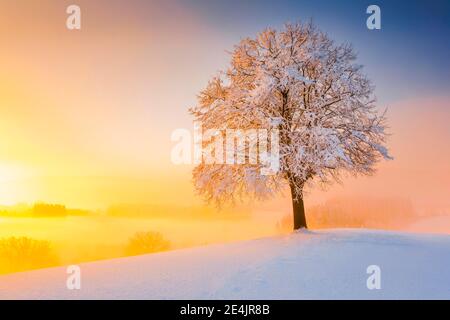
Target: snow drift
{"type": "Point", "coordinates": [328, 264]}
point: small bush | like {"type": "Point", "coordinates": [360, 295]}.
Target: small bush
{"type": "Point", "coordinates": [21, 254]}
{"type": "Point", "coordinates": [146, 242]}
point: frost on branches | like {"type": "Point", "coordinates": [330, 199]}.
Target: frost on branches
{"type": "Point", "coordinates": [300, 82]}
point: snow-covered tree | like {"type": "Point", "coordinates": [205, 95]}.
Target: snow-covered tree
{"type": "Point", "coordinates": [299, 81]}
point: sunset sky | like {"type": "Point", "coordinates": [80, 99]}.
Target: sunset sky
{"type": "Point", "coordinates": [86, 116]}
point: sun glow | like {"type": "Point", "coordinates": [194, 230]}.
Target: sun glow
{"type": "Point", "coordinates": [10, 172]}
{"type": "Point", "coordinates": [10, 176]}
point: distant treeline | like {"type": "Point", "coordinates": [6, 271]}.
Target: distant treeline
{"type": "Point", "coordinates": [361, 212]}
{"type": "Point", "coordinates": [46, 210]}
{"type": "Point", "coordinates": [41, 210]}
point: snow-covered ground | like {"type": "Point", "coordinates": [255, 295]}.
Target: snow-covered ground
{"type": "Point", "coordinates": [327, 264]}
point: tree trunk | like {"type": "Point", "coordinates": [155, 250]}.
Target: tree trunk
{"type": "Point", "coordinates": [298, 209]}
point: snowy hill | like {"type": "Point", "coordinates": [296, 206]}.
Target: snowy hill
{"type": "Point", "coordinates": [304, 265]}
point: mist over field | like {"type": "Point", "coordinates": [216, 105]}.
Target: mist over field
{"type": "Point", "coordinates": [76, 236]}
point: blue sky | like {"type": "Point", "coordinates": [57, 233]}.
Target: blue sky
{"type": "Point", "coordinates": [411, 50]}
